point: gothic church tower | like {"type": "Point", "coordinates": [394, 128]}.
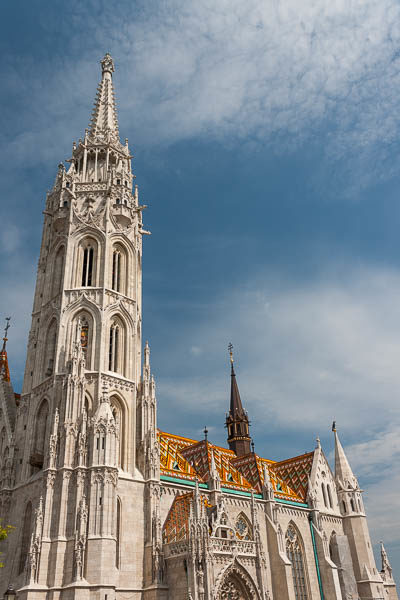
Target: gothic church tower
{"type": "Point", "coordinates": [86, 422]}
{"type": "Point", "coordinates": [107, 507]}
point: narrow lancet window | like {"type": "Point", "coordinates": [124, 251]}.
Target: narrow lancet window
{"type": "Point", "coordinates": [113, 354]}
{"type": "Point", "coordinates": [118, 534]}
{"type": "Point", "coordinates": [324, 495]}
{"type": "Point", "coordinates": [26, 537]}
{"type": "Point", "coordinates": [87, 267]}
{"type": "Point", "coordinates": [328, 487]}
{"type": "Point", "coordinates": [116, 271]}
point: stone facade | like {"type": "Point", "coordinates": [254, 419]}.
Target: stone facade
{"type": "Point", "coordinates": [108, 507]}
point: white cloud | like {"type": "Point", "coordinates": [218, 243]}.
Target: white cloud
{"type": "Point", "coordinates": [272, 71]}
{"type": "Point", "coordinates": [326, 349]}
{"type": "Point", "coordinates": [305, 353]}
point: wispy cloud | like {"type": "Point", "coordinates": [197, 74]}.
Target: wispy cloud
{"type": "Point", "coordinates": [279, 73]}
{"type": "Point", "coordinates": [306, 352]}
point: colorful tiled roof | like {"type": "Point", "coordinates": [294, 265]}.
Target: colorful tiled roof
{"type": "Point", "coordinates": [172, 462]}
{"type": "Point", "coordinates": [252, 467]}
{"type": "Point", "coordinates": [199, 456]}
{"type": "Point", "coordinates": [176, 526]}
{"type": "Point", "coordinates": [186, 459]}
{"type": "Point", "coordinates": [295, 472]}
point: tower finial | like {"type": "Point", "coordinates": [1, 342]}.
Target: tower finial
{"type": "Point", "coordinates": [6, 328]}
{"type": "Point", "coordinates": [334, 426]}
{"type": "Point", "coordinates": [107, 64]}
{"type": "Point", "coordinates": [230, 350]}
{"type": "Point", "coordinates": [205, 432]}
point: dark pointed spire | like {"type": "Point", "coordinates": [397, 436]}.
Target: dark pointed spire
{"type": "Point", "coordinates": [237, 421]}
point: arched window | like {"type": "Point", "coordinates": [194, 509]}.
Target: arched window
{"type": "Point", "coordinates": [344, 507]}
{"type": "Point", "coordinates": [58, 272]}
{"type": "Point", "coordinates": [116, 271]}
{"type": "Point", "coordinates": [243, 528]}
{"type": "Point", "coordinates": [88, 266]}
{"type": "Point", "coordinates": [119, 272]}
{"type": "Point", "coordinates": [324, 494]}
{"type": "Point", "coordinates": [82, 330]}
{"type": "Point", "coordinates": [87, 407]}
{"type": "Point", "coordinates": [119, 416]}
{"type": "Point", "coordinates": [116, 357]}
{"type": "Point", "coordinates": [39, 441]}
{"type": "Point", "coordinates": [26, 537]}
{"type": "Point", "coordinates": [84, 334]}
{"type": "Point", "coordinates": [118, 535]}
{"type": "Point", "coordinates": [294, 551]}
{"type": "Point", "coordinates": [328, 487]}
{"type": "Point", "coordinates": [50, 349]}
{"type": "Point", "coordinates": [113, 352]}
{"type": "Point", "coordinates": [353, 508]}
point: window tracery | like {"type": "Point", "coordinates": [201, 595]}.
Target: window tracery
{"type": "Point", "coordinates": [295, 554]}
{"type": "Point", "coordinates": [243, 528]}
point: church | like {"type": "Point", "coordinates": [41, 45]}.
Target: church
{"type": "Point", "coordinates": [107, 506]}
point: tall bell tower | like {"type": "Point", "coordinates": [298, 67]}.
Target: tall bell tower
{"type": "Point", "coordinates": [85, 433]}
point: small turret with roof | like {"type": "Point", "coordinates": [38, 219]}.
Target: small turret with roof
{"type": "Point", "coordinates": [237, 420]}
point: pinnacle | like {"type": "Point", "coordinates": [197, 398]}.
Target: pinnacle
{"type": "Point", "coordinates": [104, 122]}
{"type": "Point", "coordinates": [343, 471]}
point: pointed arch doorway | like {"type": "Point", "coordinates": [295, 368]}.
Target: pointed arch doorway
{"type": "Point", "coordinates": [236, 586]}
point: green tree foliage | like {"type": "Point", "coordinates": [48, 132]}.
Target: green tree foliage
{"type": "Point", "coordinates": [4, 531]}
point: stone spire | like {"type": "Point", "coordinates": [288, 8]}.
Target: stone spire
{"type": "Point", "coordinates": [237, 421]}
{"type": "Point", "coordinates": [386, 566]}
{"type": "Point", "coordinates": [104, 122]}
{"type": "Point", "coordinates": [343, 472]}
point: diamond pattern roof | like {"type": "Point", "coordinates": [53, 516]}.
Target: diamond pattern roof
{"type": "Point", "coordinates": [187, 459]}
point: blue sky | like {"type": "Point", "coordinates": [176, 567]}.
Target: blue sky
{"type": "Point", "coordinates": [266, 142]}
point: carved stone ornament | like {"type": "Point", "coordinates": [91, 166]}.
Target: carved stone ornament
{"type": "Point", "coordinates": [236, 585]}
{"type": "Point", "coordinates": [51, 477]}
